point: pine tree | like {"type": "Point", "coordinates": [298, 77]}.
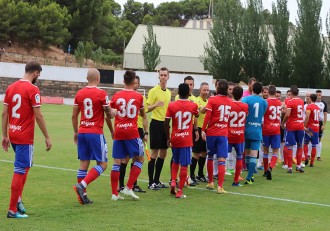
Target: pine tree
{"type": "Point", "coordinates": [150, 50]}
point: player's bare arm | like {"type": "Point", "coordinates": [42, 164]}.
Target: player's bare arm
{"type": "Point", "coordinates": [110, 126]}
{"type": "Point", "coordinates": [196, 129]}
{"type": "Point", "coordinates": [75, 114]}
{"type": "Point", "coordinates": [153, 106]}
{"type": "Point", "coordinates": [42, 125]}
{"type": "Point", "coordinates": [167, 131]}
{"type": "Point", "coordinates": [286, 116]}
{"type": "Point", "coordinates": [308, 113]}
{"type": "Point", "coordinates": [145, 124]}
{"type": "Point", "coordinates": [325, 117]}
{"type": "Point", "coordinates": [5, 139]}
{"type": "Point", "coordinates": [202, 109]}
{"type": "Point", "coordinates": [110, 112]}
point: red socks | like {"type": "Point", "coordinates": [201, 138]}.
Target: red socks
{"type": "Point", "coordinates": [221, 172]}
{"type": "Point", "coordinates": [114, 176]}
{"type": "Point", "coordinates": [238, 169]}
{"type": "Point", "coordinates": [210, 169]}
{"type": "Point", "coordinates": [175, 170]}
{"type": "Point", "coordinates": [183, 176]}
{"type": "Point", "coordinates": [133, 175]}
{"type": "Point", "coordinates": [16, 190]}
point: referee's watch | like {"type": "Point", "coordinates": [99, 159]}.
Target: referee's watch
{"type": "Point", "coordinates": [146, 133]}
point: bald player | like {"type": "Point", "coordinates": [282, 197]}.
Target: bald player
{"type": "Point", "coordinates": [92, 103]}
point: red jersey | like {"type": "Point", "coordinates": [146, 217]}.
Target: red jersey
{"type": "Point", "coordinates": [272, 118]}
{"type": "Point", "coordinates": [237, 118]}
{"type": "Point", "coordinates": [90, 101]}
{"type": "Point", "coordinates": [218, 109]}
{"type": "Point", "coordinates": [295, 121]}
{"type": "Point", "coordinates": [128, 103]}
{"type": "Point", "coordinates": [182, 113]}
{"type": "Point", "coordinates": [314, 117]}
{"type": "Point", "coordinates": [21, 97]}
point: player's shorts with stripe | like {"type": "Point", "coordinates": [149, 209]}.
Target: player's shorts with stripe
{"type": "Point", "coordinates": [314, 139]}
{"type": "Point", "coordinates": [92, 147]}
{"type": "Point", "coordinates": [123, 148]}
{"type": "Point", "coordinates": [200, 144]}
{"type": "Point", "coordinates": [23, 155]}
{"type": "Point", "coordinates": [182, 156]}
{"type": "Point", "coordinates": [294, 137]}
{"type": "Point", "coordinates": [217, 145]}
{"type": "Point", "coordinates": [273, 140]}
{"type": "Point", "coordinates": [252, 144]}
{"type": "Point", "coordinates": [157, 135]}
{"type": "Point", "coordinates": [239, 148]}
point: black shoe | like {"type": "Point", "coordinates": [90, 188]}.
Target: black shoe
{"type": "Point", "coordinates": [289, 170]}
{"type": "Point", "coordinates": [306, 162]}
{"type": "Point", "coordinates": [215, 177]}
{"type": "Point", "coordinates": [252, 178]}
{"type": "Point", "coordinates": [87, 200]}
{"type": "Point", "coordinates": [79, 189]}
{"type": "Point", "coordinates": [120, 190]}
{"type": "Point", "coordinates": [269, 174]}
{"type": "Point", "coordinates": [20, 208]}
{"type": "Point", "coordinates": [138, 189]}
{"type": "Point", "coordinates": [311, 165]}
{"type": "Point", "coordinates": [301, 170]}
{"type": "Point", "coordinates": [193, 181]}
{"type": "Point", "coordinates": [154, 187]}
{"type": "Point", "coordinates": [265, 174]}
{"type": "Point", "coordinates": [162, 185]}
{"type": "Point", "coordinates": [319, 159]}
{"type": "Point", "coordinates": [201, 179]}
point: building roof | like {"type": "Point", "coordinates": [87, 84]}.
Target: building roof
{"type": "Point", "coordinates": [174, 41]}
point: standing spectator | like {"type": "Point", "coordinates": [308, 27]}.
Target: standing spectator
{"type": "Point", "coordinates": [158, 99]}
{"type": "Point", "coordinates": [69, 49]}
{"type": "Point", "coordinates": [250, 87]}
{"type": "Point", "coordinates": [9, 43]}
{"type": "Point", "coordinates": [22, 107]}
{"type": "Point", "coordinates": [2, 52]}
{"type": "Point", "coordinates": [323, 120]}
{"type": "Point", "coordinates": [92, 103]}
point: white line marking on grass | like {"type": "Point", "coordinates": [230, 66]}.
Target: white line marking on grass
{"type": "Point", "coordinates": [196, 188]}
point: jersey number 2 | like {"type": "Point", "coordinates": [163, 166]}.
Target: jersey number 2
{"type": "Point", "coordinates": [18, 99]}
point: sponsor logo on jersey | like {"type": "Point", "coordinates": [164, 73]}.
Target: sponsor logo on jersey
{"type": "Point", "coordinates": [126, 125]}
{"type": "Point", "coordinates": [182, 134]}
{"type": "Point", "coordinates": [14, 127]}
{"type": "Point", "coordinates": [87, 124]}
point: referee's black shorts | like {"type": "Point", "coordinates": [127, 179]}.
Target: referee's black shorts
{"type": "Point", "coordinates": [320, 130]}
{"type": "Point", "coordinates": [141, 133]}
{"type": "Point", "coordinates": [199, 145]}
{"type": "Point", "coordinates": [157, 135]}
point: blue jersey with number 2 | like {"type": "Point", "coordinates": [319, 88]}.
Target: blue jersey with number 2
{"type": "Point", "coordinates": [257, 109]}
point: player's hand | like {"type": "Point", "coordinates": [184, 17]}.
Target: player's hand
{"type": "Point", "coordinates": [283, 126]}
{"type": "Point", "coordinates": [75, 138]}
{"type": "Point", "coordinates": [203, 135]}
{"type": "Point", "coordinates": [112, 135]}
{"type": "Point", "coordinates": [169, 143]}
{"type": "Point", "coordinates": [323, 127]}
{"type": "Point", "coordinates": [113, 112]}
{"type": "Point", "coordinates": [5, 143]}
{"type": "Point", "coordinates": [48, 144]}
{"type": "Point", "coordinates": [197, 135]}
{"type": "Point", "coordinates": [160, 104]}
{"type": "Point", "coordinates": [145, 138]}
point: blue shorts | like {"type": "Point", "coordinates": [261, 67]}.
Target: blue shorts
{"type": "Point", "coordinates": [273, 140]}
{"type": "Point", "coordinates": [92, 147]}
{"type": "Point", "coordinates": [314, 139]}
{"type": "Point", "coordinates": [23, 155]}
{"type": "Point", "coordinates": [252, 144]}
{"type": "Point", "coordinates": [294, 137]}
{"type": "Point", "coordinates": [182, 156]}
{"type": "Point", "coordinates": [239, 148]}
{"type": "Point", "coordinates": [123, 148]}
{"type": "Point", "coordinates": [217, 145]}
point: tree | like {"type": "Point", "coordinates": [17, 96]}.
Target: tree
{"type": "Point", "coordinates": [255, 42]}
{"type": "Point", "coordinates": [79, 53]}
{"type": "Point", "coordinates": [150, 50]}
{"type": "Point", "coordinates": [223, 54]}
{"type": "Point", "coordinates": [327, 49]}
{"type": "Point", "coordinates": [308, 46]}
{"type": "Point", "coordinates": [97, 56]}
{"type": "Point", "coordinates": [281, 50]}
{"type": "Point", "coordinates": [133, 11]}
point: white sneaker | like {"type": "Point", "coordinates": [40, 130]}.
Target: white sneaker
{"type": "Point", "coordinates": [129, 192]}
{"type": "Point", "coordinates": [116, 198]}
{"type": "Point", "coordinates": [228, 173]}
{"type": "Point", "coordinates": [302, 165]}
{"type": "Point", "coordinates": [285, 167]}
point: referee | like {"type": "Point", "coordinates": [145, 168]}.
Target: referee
{"type": "Point", "coordinates": [323, 120]}
{"type": "Point", "coordinates": [158, 99]}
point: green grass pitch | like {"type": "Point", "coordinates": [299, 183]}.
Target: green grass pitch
{"type": "Point", "coordinates": [288, 202]}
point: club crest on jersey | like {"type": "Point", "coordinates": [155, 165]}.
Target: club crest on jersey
{"type": "Point", "coordinates": [37, 98]}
